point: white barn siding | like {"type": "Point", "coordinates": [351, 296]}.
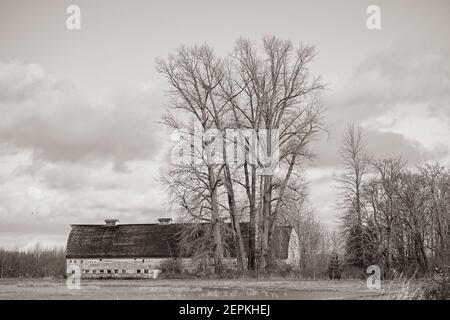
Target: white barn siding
{"type": "Point", "coordinates": [133, 268]}
{"type": "Point", "coordinates": [293, 258]}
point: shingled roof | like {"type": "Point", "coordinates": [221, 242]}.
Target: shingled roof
{"type": "Point", "coordinates": [148, 241]}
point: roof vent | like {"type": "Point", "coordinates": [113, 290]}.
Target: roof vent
{"type": "Point", "coordinates": [111, 222]}
{"type": "Point", "coordinates": [165, 220]}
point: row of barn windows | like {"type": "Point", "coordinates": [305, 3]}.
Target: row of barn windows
{"type": "Point", "coordinates": [81, 261]}
{"type": "Point", "coordinates": [108, 271]}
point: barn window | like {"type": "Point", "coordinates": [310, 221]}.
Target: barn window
{"type": "Point", "coordinates": [143, 260]}
{"type": "Point", "coordinates": [81, 261]}
{"type": "Point", "coordinates": [139, 271]}
{"type": "Point", "coordinates": [100, 259]}
{"type": "Point", "coordinates": [94, 271]}
{"type": "Point", "coordinates": [109, 271]}
{"type": "Point", "coordinates": [124, 271]}
{"type": "Point", "coordinates": [146, 271]}
{"type": "Point", "coordinates": [73, 271]}
{"type": "Point", "coordinates": [74, 261]}
{"type": "Point", "coordinates": [116, 271]}
{"type": "Point", "coordinates": [102, 271]}
{"type": "Point", "coordinates": [70, 261]}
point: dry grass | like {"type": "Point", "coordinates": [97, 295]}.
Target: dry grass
{"type": "Point", "coordinates": [400, 288]}
{"type": "Point", "coordinates": [404, 288]}
{"type": "Point", "coordinates": [186, 289]}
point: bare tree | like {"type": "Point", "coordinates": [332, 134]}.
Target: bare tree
{"type": "Point", "coordinates": [438, 184]}
{"type": "Point", "coordinates": [356, 164]}
{"type": "Point", "coordinates": [386, 202]}
{"type": "Point", "coordinates": [278, 93]}
{"type": "Point", "coordinates": [394, 216]}
{"type": "Point", "coordinates": [315, 242]}
{"type": "Point", "coordinates": [192, 97]}
{"type": "Point", "coordinates": [268, 91]}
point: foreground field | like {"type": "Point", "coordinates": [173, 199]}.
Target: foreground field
{"type": "Point", "coordinates": [190, 289]}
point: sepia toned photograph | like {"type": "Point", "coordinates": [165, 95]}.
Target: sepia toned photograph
{"type": "Point", "coordinates": [236, 151]}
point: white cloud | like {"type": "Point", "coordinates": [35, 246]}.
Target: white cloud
{"type": "Point", "coordinates": [401, 96]}
{"type": "Point", "coordinates": [67, 160]}
{"type": "Point", "coordinates": [55, 121]}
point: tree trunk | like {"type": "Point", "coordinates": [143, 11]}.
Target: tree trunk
{"type": "Point", "coordinates": [235, 221]}
{"type": "Point", "coordinates": [250, 186]}
{"type": "Point", "coordinates": [266, 214]}
{"type": "Point", "coordinates": [217, 234]}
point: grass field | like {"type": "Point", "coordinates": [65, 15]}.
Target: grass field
{"type": "Point", "coordinates": [190, 289]}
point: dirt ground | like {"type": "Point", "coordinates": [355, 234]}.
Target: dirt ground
{"type": "Point", "coordinates": [189, 289]}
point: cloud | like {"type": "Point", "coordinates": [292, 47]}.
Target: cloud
{"type": "Point", "coordinates": [380, 144]}
{"type": "Point", "coordinates": [66, 159]}
{"type": "Point", "coordinates": [400, 97]}
{"type": "Point", "coordinates": [41, 199]}
{"type": "Point", "coordinates": [400, 75]}
{"type": "Point", "coordinates": [51, 118]}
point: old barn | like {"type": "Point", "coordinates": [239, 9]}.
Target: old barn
{"type": "Point", "coordinates": [114, 250]}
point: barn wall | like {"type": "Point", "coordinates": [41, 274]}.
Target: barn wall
{"type": "Point", "coordinates": [132, 268]}
{"type": "Point", "coordinates": [116, 268]}
{"type": "Point", "coordinates": [293, 250]}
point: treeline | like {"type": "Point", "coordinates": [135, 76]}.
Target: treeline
{"type": "Point", "coordinates": [33, 263]}
{"type": "Point", "coordinates": [396, 216]}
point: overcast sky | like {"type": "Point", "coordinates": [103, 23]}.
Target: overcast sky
{"type": "Point", "coordinates": [79, 139]}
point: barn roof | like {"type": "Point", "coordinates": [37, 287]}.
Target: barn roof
{"type": "Point", "coordinates": [149, 240]}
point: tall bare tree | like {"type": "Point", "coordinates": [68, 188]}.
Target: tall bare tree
{"type": "Point", "coordinates": [386, 202]}
{"type": "Point", "coordinates": [438, 184]}
{"type": "Point", "coordinates": [355, 161]}
{"type": "Point", "coordinates": [278, 93]}
{"type": "Point", "coordinates": [192, 98]}
{"type": "Point", "coordinates": [268, 90]}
